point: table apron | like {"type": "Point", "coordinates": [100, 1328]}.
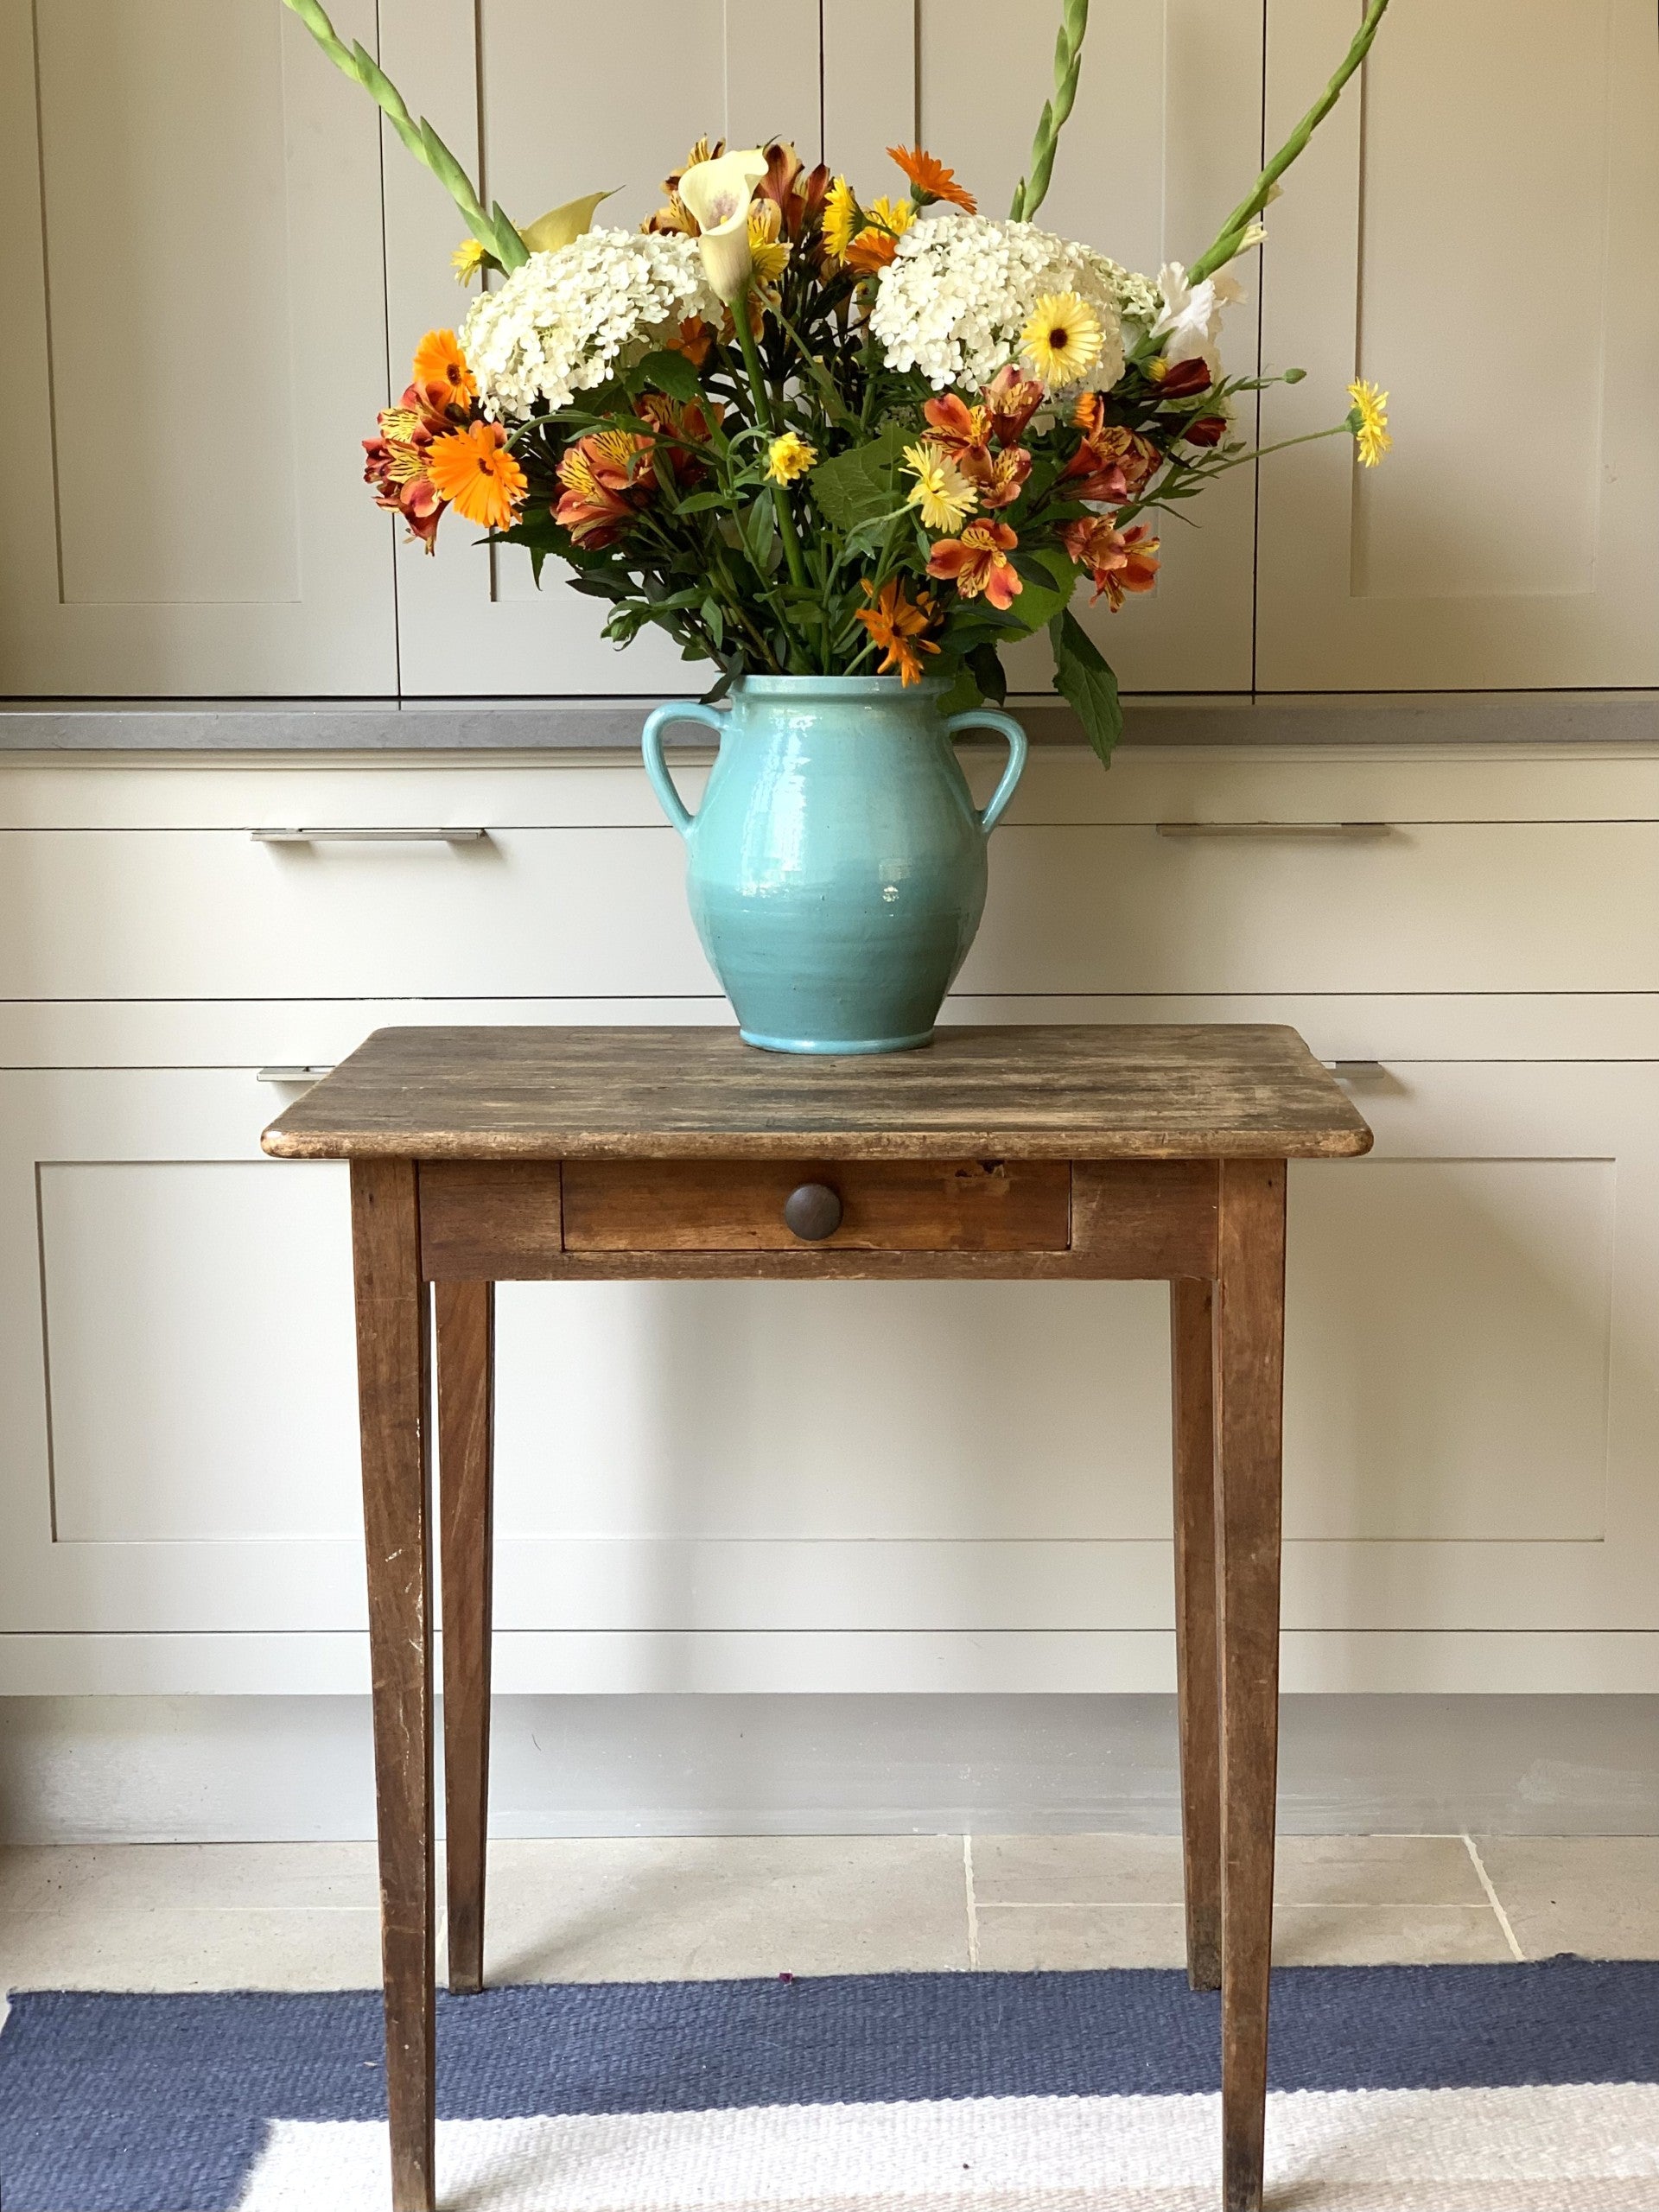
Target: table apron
{"type": "Point", "coordinates": [1132, 1220]}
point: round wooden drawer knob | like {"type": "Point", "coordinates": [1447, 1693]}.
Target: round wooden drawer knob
{"type": "Point", "coordinates": [813, 1211]}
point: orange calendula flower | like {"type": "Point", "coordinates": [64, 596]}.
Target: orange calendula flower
{"type": "Point", "coordinates": [474, 470]}
{"type": "Point", "coordinates": [930, 180]}
{"type": "Point", "coordinates": [1118, 560]}
{"type": "Point", "coordinates": [978, 562]}
{"type": "Point", "coordinates": [607, 479]}
{"type": "Point", "coordinates": [898, 627]}
{"type": "Point", "coordinates": [441, 372]}
{"type": "Point", "coordinates": [886, 223]}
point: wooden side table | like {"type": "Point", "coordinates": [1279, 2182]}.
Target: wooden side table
{"type": "Point", "coordinates": [486, 1155]}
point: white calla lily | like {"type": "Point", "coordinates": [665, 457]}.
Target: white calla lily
{"type": "Point", "coordinates": [717, 194]}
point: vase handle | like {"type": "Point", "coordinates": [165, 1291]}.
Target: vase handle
{"type": "Point", "coordinates": [650, 739]}
{"type": "Point", "coordinates": [992, 718]}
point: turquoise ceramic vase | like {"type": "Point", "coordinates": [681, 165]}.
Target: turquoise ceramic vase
{"type": "Point", "coordinates": [836, 867]}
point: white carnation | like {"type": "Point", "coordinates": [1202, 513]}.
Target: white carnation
{"type": "Point", "coordinates": [957, 294]}
{"type": "Point", "coordinates": [567, 321]}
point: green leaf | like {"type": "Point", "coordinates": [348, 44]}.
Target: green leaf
{"type": "Point", "coordinates": [988, 673]}
{"type": "Point", "coordinates": [964, 694]}
{"type": "Point", "coordinates": [859, 485]}
{"type": "Point", "coordinates": [1047, 580]}
{"type": "Point", "coordinates": [665, 372]}
{"type": "Point", "coordinates": [1084, 680]}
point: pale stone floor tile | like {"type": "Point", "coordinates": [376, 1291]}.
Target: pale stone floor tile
{"type": "Point", "coordinates": [1408, 1870]}
{"type": "Point", "coordinates": [1597, 1895]}
{"type": "Point", "coordinates": [664, 1909]}
{"type": "Point", "coordinates": [186, 1947]}
{"type": "Point", "coordinates": [154, 1876]}
{"type": "Point", "coordinates": [1019, 1938]}
{"type": "Point", "coordinates": [1067, 1937]}
{"type": "Point", "coordinates": [1388, 1935]}
{"type": "Point", "coordinates": [1077, 1869]}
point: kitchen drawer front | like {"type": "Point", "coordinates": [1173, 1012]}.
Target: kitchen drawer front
{"type": "Point", "coordinates": [900, 1205]}
{"type": "Point", "coordinates": [598, 911]}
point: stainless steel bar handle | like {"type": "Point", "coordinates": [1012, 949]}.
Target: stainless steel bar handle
{"type": "Point", "coordinates": [366, 836]}
{"type": "Point", "coordinates": [1357, 1071]}
{"type": "Point", "coordinates": [1352, 829]}
{"type": "Point", "coordinates": [294, 1074]}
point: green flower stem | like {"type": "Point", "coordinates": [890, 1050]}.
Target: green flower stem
{"type": "Point", "coordinates": [491, 230]}
{"type": "Point", "coordinates": [1232, 231]}
{"type": "Point", "coordinates": [768, 414]}
{"type": "Point", "coordinates": [1211, 470]}
{"type": "Point", "coordinates": [1031, 192]}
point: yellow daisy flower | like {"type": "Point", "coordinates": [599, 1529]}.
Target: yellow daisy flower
{"type": "Point", "coordinates": [840, 217]}
{"type": "Point", "coordinates": [467, 260]}
{"type": "Point", "coordinates": [941, 491]}
{"type": "Point", "coordinates": [1064, 339]}
{"type": "Point", "coordinates": [789, 457]}
{"type": "Point", "coordinates": [1370, 423]}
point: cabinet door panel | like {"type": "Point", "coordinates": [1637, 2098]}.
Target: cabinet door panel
{"type": "Point", "coordinates": [180, 1448]}
{"type": "Point", "coordinates": [1145, 178]}
{"type": "Point", "coordinates": [1511, 539]}
{"type": "Point", "coordinates": [564, 101]}
{"type": "Point", "coordinates": [1472, 1428]}
{"type": "Point", "coordinates": [193, 274]}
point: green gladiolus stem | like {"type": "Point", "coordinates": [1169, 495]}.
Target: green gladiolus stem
{"type": "Point", "coordinates": [1031, 191]}
{"type": "Point", "coordinates": [494, 231]}
{"type": "Point", "coordinates": [1232, 231]}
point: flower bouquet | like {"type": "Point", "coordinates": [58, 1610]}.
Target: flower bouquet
{"type": "Point", "coordinates": [844, 449]}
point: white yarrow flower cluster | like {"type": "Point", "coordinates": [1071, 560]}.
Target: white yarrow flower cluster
{"type": "Point", "coordinates": [960, 289]}
{"type": "Point", "coordinates": [568, 320]}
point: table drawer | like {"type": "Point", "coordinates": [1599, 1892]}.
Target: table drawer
{"type": "Point", "coordinates": [898, 1206]}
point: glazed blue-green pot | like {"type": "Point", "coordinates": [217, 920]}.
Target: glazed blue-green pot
{"type": "Point", "coordinates": [836, 869]}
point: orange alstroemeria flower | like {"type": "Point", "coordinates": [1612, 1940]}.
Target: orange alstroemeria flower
{"type": "Point", "coordinates": [998, 478]}
{"type": "Point", "coordinates": [1118, 560]}
{"type": "Point", "coordinates": [475, 470]}
{"type": "Point", "coordinates": [966, 433]}
{"type": "Point", "coordinates": [930, 178]}
{"type": "Point", "coordinates": [696, 337]}
{"type": "Point", "coordinates": [607, 479]}
{"type": "Point", "coordinates": [957, 426]}
{"type": "Point", "coordinates": [394, 462]}
{"type": "Point", "coordinates": [978, 562]}
{"type": "Point", "coordinates": [898, 626]}
{"type": "Point", "coordinates": [441, 372]}
{"type": "Point", "coordinates": [1011, 400]}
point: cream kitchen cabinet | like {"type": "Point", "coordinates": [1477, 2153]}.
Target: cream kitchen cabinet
{"type": "Point", "coordinates": [1146, 175]}
{"type": "Point", "coordinates": [193, 270]}
{"type": "Point", "coordinates": [1473, 1429]}
{"type": "Point", "coordinates": [550, 102]}
{"type": "Point", "coordinates": [1479, 234]}
{"type": "Point", "coordinates": [1473, 1420]}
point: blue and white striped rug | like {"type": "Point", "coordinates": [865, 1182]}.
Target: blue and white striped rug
{"type": "Point", "coordinates": [1510, 2088]}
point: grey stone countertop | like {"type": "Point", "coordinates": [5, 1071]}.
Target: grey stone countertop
{"type": "Point", "coordinates": [585, 726]}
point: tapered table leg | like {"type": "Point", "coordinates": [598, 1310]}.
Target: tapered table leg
{"type": "Point", "coordinates": [394, 1376]}
{"type": "Point", "coordinates": [1192, 1307]}
{"type": "Point", "coordinates": [465, 1325]}
{"type": "Point", "coordinates": [1250, 1389]}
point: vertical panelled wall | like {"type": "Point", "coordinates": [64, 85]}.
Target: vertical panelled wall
{"type": "Point", "coordinates": [1479, 233]}
{"type": "Point", "coordinates": [193, 272]}
{"type": "Point", "coordinates": [215, 273]}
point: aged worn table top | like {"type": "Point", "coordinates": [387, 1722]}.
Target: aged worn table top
{"type": "Point", "coordinates": [1219, 1091]}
